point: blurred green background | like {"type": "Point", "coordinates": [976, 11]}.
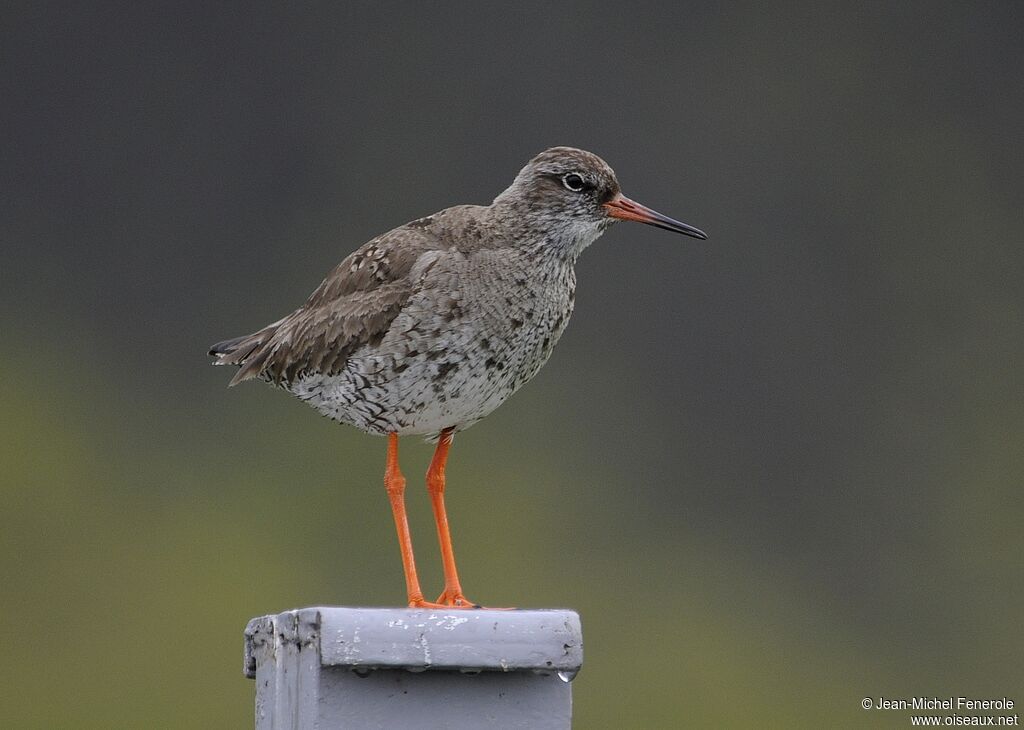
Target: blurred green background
{"type": "Point", "coordinates": [775, 473]}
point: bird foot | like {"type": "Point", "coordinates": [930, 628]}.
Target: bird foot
{"type": "Point", "coordinates": [452, 600]}
{"type": "Point", "coordinates": [464, 603]}
{"type": "Point", "coordinates": [455, 599]}
{"type": "Point", "coordinates": [445, 600]}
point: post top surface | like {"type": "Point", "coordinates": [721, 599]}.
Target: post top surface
{"type": "Point", "coordinates": [422, 639]}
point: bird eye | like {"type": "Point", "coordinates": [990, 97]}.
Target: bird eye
{"type": "Point", "coordinates": [573, 182]}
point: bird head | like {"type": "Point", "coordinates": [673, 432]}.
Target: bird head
{"type": "Point", "coordinates": [574, 196]}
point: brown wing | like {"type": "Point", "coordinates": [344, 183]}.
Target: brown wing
{"type": "Point", "coordinates": [355, 305]}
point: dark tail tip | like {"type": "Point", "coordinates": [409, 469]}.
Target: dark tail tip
{"type": "Point", "coordinates": [226, 347]}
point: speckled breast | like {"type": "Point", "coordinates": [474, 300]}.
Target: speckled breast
{"type": "Point", "coordinates": [468, 339]}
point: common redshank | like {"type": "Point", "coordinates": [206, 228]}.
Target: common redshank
{"type": "Point", "coordinates": [431, 326]}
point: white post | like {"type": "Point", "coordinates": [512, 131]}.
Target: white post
{"type": "Point", "coordinates": [320, 668]}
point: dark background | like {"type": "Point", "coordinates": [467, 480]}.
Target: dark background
{"type": "Point", "coordinates": [775, 472]}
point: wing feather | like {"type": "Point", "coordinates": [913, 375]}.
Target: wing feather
{"type": "Point", "coordinates": [353, 306]}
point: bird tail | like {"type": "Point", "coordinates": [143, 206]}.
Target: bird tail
{"type": "Point", "coordinates": [248, 352]}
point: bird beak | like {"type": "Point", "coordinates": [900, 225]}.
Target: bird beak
{"type": "Point", "coordinates": [625, 209]}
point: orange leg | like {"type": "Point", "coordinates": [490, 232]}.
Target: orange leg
{"type": "Point", "coordinates": [452, 595]}
{"type": "Point", "coordinates": [394, 483]}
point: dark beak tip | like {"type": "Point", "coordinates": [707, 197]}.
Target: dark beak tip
{"type": "Point", "coordinates": [677, 227]}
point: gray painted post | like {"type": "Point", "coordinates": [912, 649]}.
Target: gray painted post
{"type": "Point", "coordinates": [399, 667]}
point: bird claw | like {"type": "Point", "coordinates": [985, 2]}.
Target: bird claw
{"type": "Point", "coordinates": [450, 600]}
{"type": "Point", "coordinates": [429, 604]}
{"type": "Point", "coordinates": [456, 600]}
